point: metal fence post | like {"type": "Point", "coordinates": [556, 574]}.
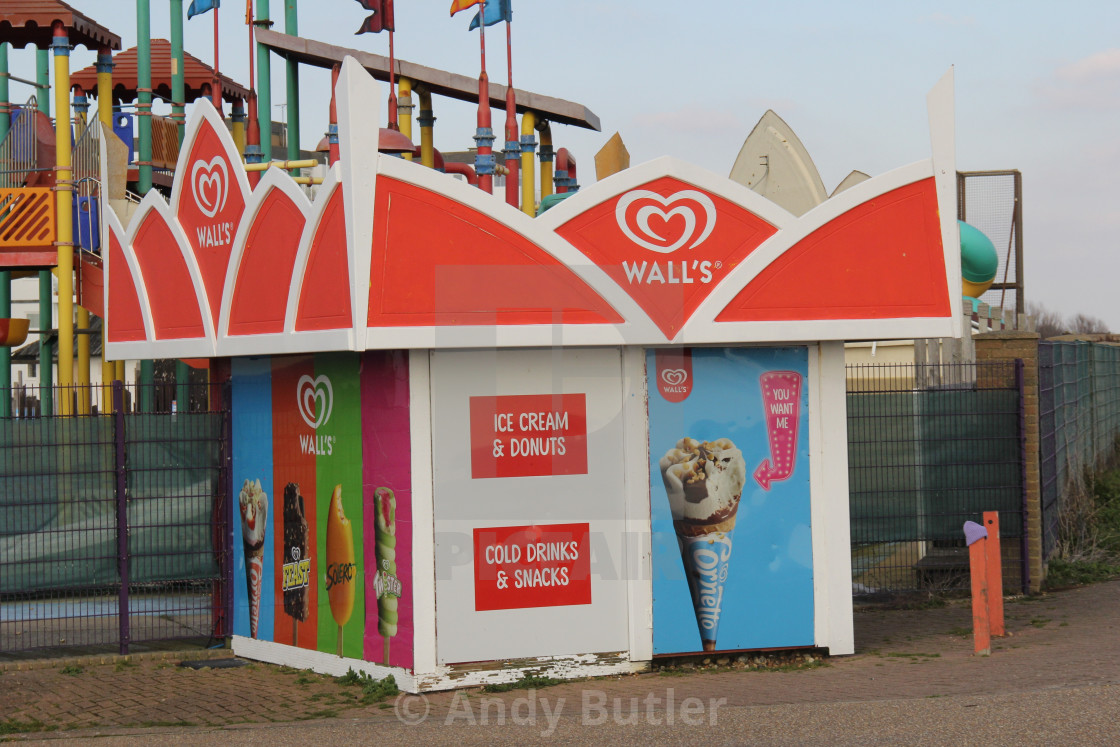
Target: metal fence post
{"type": "Point", "coordinates": [1024, 542]}
{"type": "Point", "coordinates": [122, 512]}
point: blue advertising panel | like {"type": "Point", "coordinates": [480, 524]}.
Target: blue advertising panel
{"type": "Point", "coordinates": [729, 475]}
{"type": "Point", "coordinates": [253, 595]}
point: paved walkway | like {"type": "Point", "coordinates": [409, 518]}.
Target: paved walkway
{"type": "Point", "coordinates": [1065, 640]}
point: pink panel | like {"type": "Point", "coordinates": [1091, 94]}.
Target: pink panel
{"type": "Point", "coordinates": [324, 301]}
{"type": "Point", "coordinates": [260, 293]}
{"type": "Point", "coordinates": [175, 310]}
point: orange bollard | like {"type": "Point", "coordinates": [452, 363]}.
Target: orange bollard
{"type": "Point", "coordinates": [995, 574]}
{"type": "Point", "coordinates": [977, 537]}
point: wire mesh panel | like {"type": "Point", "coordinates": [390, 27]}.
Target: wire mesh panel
{"type": "Point", "coordinates": [923, 458]}
{"type": "Point", "coordinates": [991, 201]}
{"type": "Point", "coordinates": [58, 533]}
{"type": "Point", "coordinates": [1079, 421]}
{"type": "Point", "coordinates": [110, 515]}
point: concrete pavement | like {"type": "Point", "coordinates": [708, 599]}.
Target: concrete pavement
{"type": "Point", "coordinates": [913, 679]}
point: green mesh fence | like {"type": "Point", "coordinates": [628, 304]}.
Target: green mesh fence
{"type": "Point", "coordinates": [928, 449]}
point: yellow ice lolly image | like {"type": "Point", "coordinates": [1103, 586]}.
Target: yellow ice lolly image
{"type": "Point", "coordinates": [340, 581]}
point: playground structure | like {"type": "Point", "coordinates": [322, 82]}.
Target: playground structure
{"type": "Point", "coordinates": [53, 198]}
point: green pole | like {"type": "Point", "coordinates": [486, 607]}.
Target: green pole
{"type": "Point", "coordinates": [144, 103]}
{"type": "Point", "coordinates": [46, 289]}
{"type": "Point", "coordinates": [5, 275]}
{"type": "Point", "coordinates": [291, 27]}
{"type": "Point", "coordinates": [178, 92]}
{"type": "Point", "coordinates": [43, 79]}
{"type": "Point", "coordinates": [144, 182]}
{"type": "Point", "coordinates": [264, 86]}
{"type": "Point", "coordinates": [5, 352]}
{"type": "Point", "coordinates": [5, 112]}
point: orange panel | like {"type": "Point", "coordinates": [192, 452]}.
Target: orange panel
{"type": "Point", "coordinates": [436, 261]}
{"type": "Point", "coordinates": [881, 259]}
{"type": "Point", "coordinates": [126, 323]}
{"type": "Point", "coordinates": [667, 244]}
{"type": "Point", "coordinates": [210, 209]}
{"type": "Point", "coordinates": [171, 294]}
{"type": "Point", "coordinates": [27, 228]}
{"type": "Point", "coordinates": [324, 300]}
{"type": "Point", "coordinates": [260, 293]}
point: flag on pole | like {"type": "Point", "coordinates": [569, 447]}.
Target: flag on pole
{"type": "Point", "coordinates": [198, 7]}
{"type": "Point", "coordinates": [495, 11]}
{"type": "Point", "coordinates": [380, 19]}
{"type": "Point", "coordinates": [457, 5]}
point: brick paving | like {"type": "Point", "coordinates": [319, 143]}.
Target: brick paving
{"type": "Point", "coordinates": [1060, 639]}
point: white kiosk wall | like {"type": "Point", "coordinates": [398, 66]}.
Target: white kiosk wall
{"type": "Point", "coordinates": [530, 503]}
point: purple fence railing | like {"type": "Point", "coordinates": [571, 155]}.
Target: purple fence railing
{"type": "Point", "coordinates": [114, 526]}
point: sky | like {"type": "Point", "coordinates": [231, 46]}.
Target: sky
{"type": "Point", "coordinates": [1037, 89]}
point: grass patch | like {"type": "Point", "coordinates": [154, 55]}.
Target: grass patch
{"type": "Point", "coordinates": [1062, 573]}
{"type": "Point", "coordinates": [528, 682]}
{"type": "Point", "coordinates": [373, 690]}
{"type": "Point", "coordinates": [1040, 622]}
{"type": "Point", "coordinates": [1088, 548]}
{"type": "Point", "coordinates": [122, 665]}
{"type": "Point", "coordinates": [907, 655]}
{"type": "Point", "coordinates": [960, 632]}
{"type": "Point", "coordinates": [72, 669]}
{"type": "Point", "coordinates": [14, 726]}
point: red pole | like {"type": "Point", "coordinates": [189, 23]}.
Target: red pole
{"type": "Point", "coordinates": [217, 87]}
{"type": "Point", "coordinates": [976, 537]}
{"type": "Point", "coordinates": [393, 124]}
{"type": "Point", "coordinates": [332, 127]}
{"type": "Point", "coordinates": [484, 136]}
{"type": "Point", "coordinates": [513, 143]}
{"type": "Point", "coordinates": [253, 131]}
{"type": "Point", "coordinates": [995, 573]}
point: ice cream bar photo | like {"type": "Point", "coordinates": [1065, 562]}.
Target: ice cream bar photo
{"type": "Point", "coordinates": [341, 579]}
{"type": "Point", "coordinates": [704, 483]}
{"type": "Point", "coordinates": [297, 560]}
{"type": "Point", "coordinates": [253, 504]}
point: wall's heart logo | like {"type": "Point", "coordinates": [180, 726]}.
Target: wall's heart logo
{"type": "Point", "coordinates": [315, 398]}
{"type": "Point", "coordinates": [674, 376]}
{"type": "Point", "coordinates": [674, 373]}
{"type": "Point", "coordinates": [638, 208]}
{"type": "Point", "coordinates": [210, 182]}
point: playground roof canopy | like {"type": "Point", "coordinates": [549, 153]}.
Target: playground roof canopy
{"type": "Point", "coordinates": [28, 23]}
{"type": "Point", "coordinates": [441, 82]}
{"type": "Point", "coordinates": [196, 73]}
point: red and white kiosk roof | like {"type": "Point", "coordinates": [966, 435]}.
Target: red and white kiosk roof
{"type": "Point", "coordinates": [394, 255]}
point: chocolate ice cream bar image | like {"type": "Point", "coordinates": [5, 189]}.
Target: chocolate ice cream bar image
{"type": "Point", "coordinates": [297, 560]}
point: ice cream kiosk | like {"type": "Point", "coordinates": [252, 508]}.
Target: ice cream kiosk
{"type": "Point", "coordinates": [470, 444]}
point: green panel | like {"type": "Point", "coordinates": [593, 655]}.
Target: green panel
{"type": "Point", "coordinates": [339, 463]}
{"type": "Point", "coordinates": [172, 480]}
{"type": "Point", "coordinates": [57, 506]}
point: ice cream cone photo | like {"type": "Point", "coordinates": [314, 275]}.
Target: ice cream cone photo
{"type": "Point", "coordinates": [253, 504]}
{"type": "Point", "coordinates": [704, 484]}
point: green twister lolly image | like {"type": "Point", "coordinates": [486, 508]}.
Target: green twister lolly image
{"type": "Point", "coordinates": [387, 586]}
